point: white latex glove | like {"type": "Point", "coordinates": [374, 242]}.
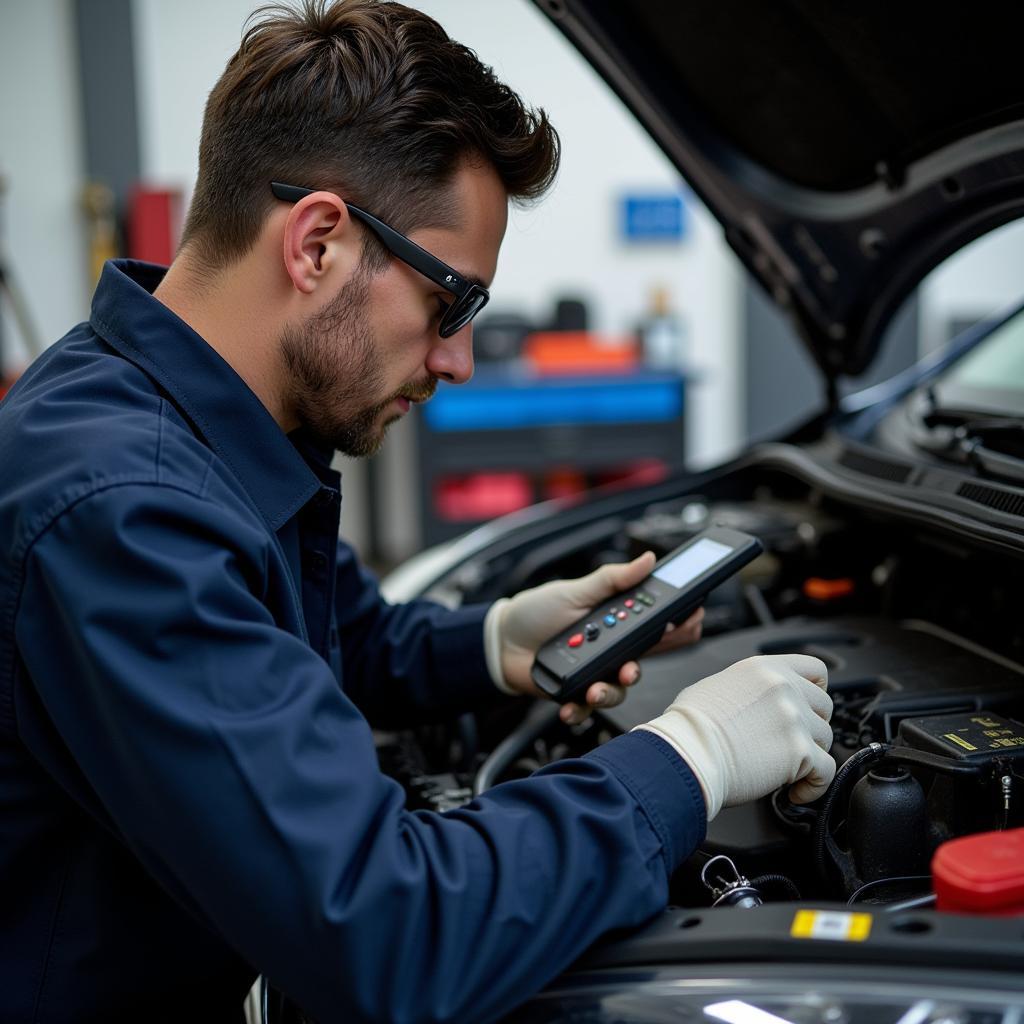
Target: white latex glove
{"type": "Point", "coordinates": [515, 628]}
{"type": "Point", "coordinates": [753, 727]}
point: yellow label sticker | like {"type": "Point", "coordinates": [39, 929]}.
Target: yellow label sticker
{"type": "Point", "coordinates": [959, 740]}
{"type": "Point", "coordinates": [831, 924]}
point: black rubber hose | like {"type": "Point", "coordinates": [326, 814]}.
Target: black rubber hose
{"type": "Point", "coordinates": [792, 816]}
{"type": "Point", "coordinates": [878, 752]}
{"type": "Point", "coordinates": [821, 828]}
{"type": "Point", "coordinates": [538, 720]}
{"type": "Point", "coordinates": [934, 762]}
{"type": "Point", "coordinates": [780, 881]}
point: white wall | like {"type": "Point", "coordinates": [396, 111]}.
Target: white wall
{"type": "Point", "coordinates": [568, 244]}
{"type": "Point", "coordinates": [41, 234]}
{"type": "Point", "coordinates": [570, 240]}
{"type": "Point", "coordinates": [979, 281]}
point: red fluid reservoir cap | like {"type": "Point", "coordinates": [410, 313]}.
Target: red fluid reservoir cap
{"type": "Point", "coordinates": [981, 874]}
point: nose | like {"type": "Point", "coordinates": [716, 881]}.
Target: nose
{"type": "Point", "coordinates": [451, 359]}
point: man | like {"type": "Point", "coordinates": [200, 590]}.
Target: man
{"type": "Point", "coordinates": [190, 664]}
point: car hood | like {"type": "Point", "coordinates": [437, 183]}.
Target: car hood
{"type": "Point", "coordinates": [846, 148]}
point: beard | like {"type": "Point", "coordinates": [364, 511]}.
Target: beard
{"type": "Point", "coordinates": [337, 375]}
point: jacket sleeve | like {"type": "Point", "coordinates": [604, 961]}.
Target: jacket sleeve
{"type": "Point", "coordinates": [246, 783]}
{"type": "Point", "coordinates": [407, 663]}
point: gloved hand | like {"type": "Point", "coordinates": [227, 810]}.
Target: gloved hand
{"type": "Point", "coordinates": [753, 727]}
{"type": "Point", "coordinates": [515, 629]}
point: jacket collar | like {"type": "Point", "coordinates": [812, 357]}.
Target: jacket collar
{"type": "Point", "coordinates": [223, 409]}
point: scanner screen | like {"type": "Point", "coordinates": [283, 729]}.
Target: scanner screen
{"type": "Point", "coordinates": [689, 564]}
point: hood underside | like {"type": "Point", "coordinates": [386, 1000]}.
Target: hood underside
{"type": "Point", "coordinates": [846, 148]}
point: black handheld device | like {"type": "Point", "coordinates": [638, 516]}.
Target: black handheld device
{"type": "Point", "coordinates": [627, 625]}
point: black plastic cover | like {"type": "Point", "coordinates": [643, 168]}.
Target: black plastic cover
{"type": "Point", "coordinates": [977, 737]}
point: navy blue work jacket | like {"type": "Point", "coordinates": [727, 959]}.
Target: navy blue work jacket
{"type": "Point", "coordinates": [190, 666]}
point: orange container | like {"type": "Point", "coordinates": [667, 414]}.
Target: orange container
{"type": "Point", "coordinates": [579, 352]}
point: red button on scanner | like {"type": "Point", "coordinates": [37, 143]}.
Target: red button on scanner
{"type": "Point", "coordinates": [629, 602]}
{"type": "Point", "coordinates": [576, 639]}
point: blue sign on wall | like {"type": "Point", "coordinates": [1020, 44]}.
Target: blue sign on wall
{"type": "Point", "coordinates": [653, 218]}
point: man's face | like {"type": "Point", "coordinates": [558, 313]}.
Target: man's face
{"type": "Point", "coordinates": [357, 365]}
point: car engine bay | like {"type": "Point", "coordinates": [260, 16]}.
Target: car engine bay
{"type": "Point", "coordinates": [924, 644]}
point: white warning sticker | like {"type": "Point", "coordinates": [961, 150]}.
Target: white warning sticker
{"type": "Point", "coordinates": [831, 924]}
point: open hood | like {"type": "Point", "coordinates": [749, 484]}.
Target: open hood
{"type": "Point", "coordinates": [847, 148]}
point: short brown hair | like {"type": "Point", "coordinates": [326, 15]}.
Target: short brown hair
{"type": "Point", "coordinates": [367, 98]}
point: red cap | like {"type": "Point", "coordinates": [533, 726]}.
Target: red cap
{"type": "Point", "coordinates": [981, 874]}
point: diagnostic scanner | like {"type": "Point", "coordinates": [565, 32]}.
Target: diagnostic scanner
{"type": "Point", "coordinates": [623, 628]}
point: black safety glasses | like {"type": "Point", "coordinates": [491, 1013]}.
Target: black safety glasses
{"type": "Point", "coordinates": [470, 298]}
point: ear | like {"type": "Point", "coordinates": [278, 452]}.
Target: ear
{"type": "Point", "coordinates": [321, 242]}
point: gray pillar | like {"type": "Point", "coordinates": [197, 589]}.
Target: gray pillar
{"type": "Point", "coordinates": [106, 62]}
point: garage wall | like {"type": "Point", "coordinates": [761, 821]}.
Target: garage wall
{"type": "Point", "coordinates": [568, 244]}
{"type": "Point", "coordinates": [41, 237]}
{"type": "Point", "coordinates": [978, 282]}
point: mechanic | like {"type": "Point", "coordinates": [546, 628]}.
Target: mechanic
{"type": "Point", "coordinates": [190, 661]}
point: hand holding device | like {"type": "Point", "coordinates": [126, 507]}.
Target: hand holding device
{"type": "Point", "coordinates": [629, 622]}
{"type": "Point", "coordinates": [753, 727]}
{"type": "Point", "coordinates": [515, 628]}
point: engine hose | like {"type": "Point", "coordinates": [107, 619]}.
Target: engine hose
{"type": "Point", "coordinates": [874, 752]}
{"type": "Point", "coordinates": [795, 817]}
{"type": "Point", "coordinates": [538, 720]}
{"type": "Point", "coordinates": [934, 762]}
{"type": "Point", "coordinates": [877, 752]}
{"type": "Point", "coordinates": [780, 881]}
